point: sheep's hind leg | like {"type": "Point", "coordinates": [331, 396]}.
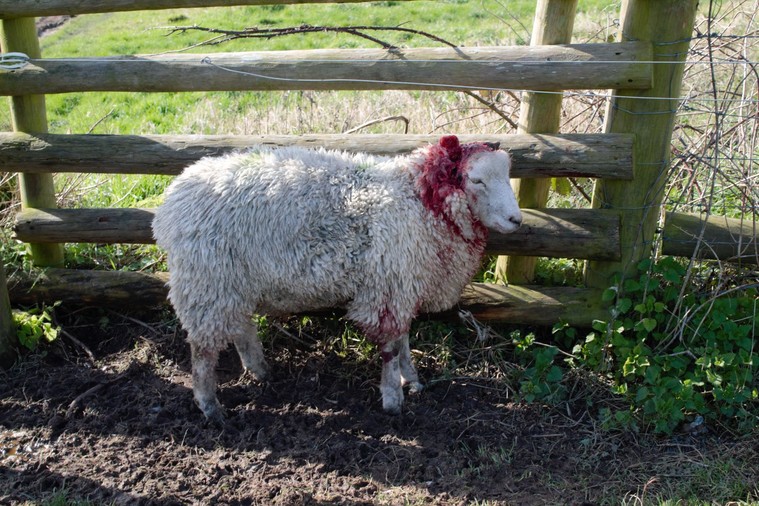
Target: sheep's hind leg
{"type": "Point", "coordinates": [204, 382]}
{"type": "Point", "coordinates": [390, 386]}
{"type": "Point", "coordinates": [251, 352]}
{"type": "Point", "coordinates": [409, 376]}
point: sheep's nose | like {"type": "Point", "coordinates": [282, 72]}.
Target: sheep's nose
{"type": "Point", "coordinates": [516, 220]}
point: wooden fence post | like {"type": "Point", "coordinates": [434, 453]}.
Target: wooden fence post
{"type": "Point", "coordinates": [28, 115]}
{"type": "Point", "coordinates": [539, 113]}
{"type": "Point", "coordinates": [668, 25]}
{"type": "Point", "coordinates": [7, 331]}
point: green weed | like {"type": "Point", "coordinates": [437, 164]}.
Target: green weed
{"type": "Point", "coordinates": [61, 498]}
{"type": "Point", "coordinates": [675, 352]}
{"type": "Point", "coordinates": [35, 326]}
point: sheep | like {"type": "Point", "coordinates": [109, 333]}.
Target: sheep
{"type": "Point", "coordinates": [278, 231]}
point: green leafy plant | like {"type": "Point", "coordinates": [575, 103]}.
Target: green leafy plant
{"type": "Point", "coordinates": [541, 378]}
{"type": "Point", "coordinates": [34, 326]}
{"type": "Point", "coordinates": [675, 351]}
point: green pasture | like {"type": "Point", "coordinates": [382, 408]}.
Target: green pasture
{"type": "Point", "coordinates": [461, 22]}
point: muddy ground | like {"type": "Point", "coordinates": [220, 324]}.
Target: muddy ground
{"type": "Point", "coordinates": [105, 414]}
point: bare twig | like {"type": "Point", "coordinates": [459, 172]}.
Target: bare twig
{"type": "Point", "coordinates": [136, 321]}
{"type": "Point", "coordinates": [490, 105]}
{"type": "Point", "coordinates": [79, 343]}
{"type": "Point", "coordinates": [94, 126]}
{"type": "Point", "coordinates": [270, 33]}
{"type": "Point", "coordinates": [403, 119]}
{"type": "Point", "coordinates": [77, 403]}
{"type": "Point", "coordinates": [358, 31]}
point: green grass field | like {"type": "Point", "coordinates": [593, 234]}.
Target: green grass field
{"type": "Point", "coordinates": [460, 22]}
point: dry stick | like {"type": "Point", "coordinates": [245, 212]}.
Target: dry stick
{"type": "Point", "coordinates": [76, 403]}
{"type": "Point", "coordinates": [78, 343]}
{"type": "Point", "coordinates": [404, 119]}
{"type": "Point", "coordinates": [491, 105]}
{"type": "Point", "coordinates": [712, 180]}
{"type": "Point", "coordinates": [73, 339]}
{"type": "Point", "coordinates": [579, 188]}
{"type": "Point", "coordinates": [94, 126]}
{"type": "Point", "coordinates": [136, 321]}
{"type": "Point", "coordinates": [269, 33]}
{"type": "Point", "coordinates": [289, 334]}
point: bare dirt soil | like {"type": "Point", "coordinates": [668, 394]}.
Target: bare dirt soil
{"type": "Point", "coordinates": [120, 427]}
{"type": "Point", "coordinates": [48, 24]}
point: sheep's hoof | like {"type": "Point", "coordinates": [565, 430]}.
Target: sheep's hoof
{"type": "Point", "coordinates": [259, 373]}
{"type": "Point", "coordinates": [217, 419]}
{"type": "Point", "coordinates": [213, 412]}
{"type": "Point", "coordinates": [414, 387]}
{"type": "Point", "coordinates": [393, 402]}
{"type": "Point", "coordinates": [392, 410]}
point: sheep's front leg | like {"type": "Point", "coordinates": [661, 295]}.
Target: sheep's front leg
{"type": "Point", "coordinates": [409, 376]}
{"type": "Point", "coordinates": [204, 382]}
{"type": "Point", "coordinates": [390, 385]}
{"type": "Point", "coordinates": [251, 352]}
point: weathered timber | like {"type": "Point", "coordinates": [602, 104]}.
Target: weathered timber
{"type": "Point", "coordinates": [523, 304]}
{"type": "Point", "coordinates": [722, 238]}
{"type": "Point", "coordinates": [538, 113]}
{"type": "Point", "coordinates": [579, 66]}
{"type": "Point", "coordinates": [88, 287]}
{"type": "Point", "coordinates": [588, 155]}
{"type": "Point", "coordinates": [669, 25]}
{"type": "Point", "coordinates": [105, 226]}
{"type": "Point", "coordinates": [28, 115]}
{"type": "Point", "coordinates": [565, 233]}
{"type": "Point", "coordinates": [8, 340]}
{"type": "Point", "coordinates": [19, 8]}
{"type": "Point", "coordinates": [533, 305]}
{"type": "Point", "coordinates": [561, 233]}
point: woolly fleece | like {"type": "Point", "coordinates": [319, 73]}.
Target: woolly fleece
{"type": "Point", "coordinates": [283, 230]}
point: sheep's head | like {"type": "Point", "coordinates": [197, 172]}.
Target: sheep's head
{"type": "Point", "coordinates": [488, 189]}
{"type": "Point", "coordinates": [480, 172]}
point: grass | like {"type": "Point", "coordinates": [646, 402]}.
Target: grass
{"type": "Point", "coordinates": [60, 498]}
{"type": "Point", "coordinates": [141, 33]}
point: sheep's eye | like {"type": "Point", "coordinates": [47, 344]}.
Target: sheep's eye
{"type": "Point", "coordinates": [475, 180]}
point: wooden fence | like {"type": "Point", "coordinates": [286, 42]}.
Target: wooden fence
{"type": "Point", "coordinates": [628, 160]}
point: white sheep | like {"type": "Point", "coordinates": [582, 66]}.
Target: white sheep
{"type": "Point", "coordinates": [284, 230]}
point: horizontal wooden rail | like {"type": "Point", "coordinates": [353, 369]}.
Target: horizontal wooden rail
{"type": "Point", "coordinates": [558, 233]}
{"type": "Point", "coordinates": [581, 66]}
{"type": "Point", "coordinates": [106, 226]}
{"type": "Point", "coordinates": [565, 233]}
{"type": "Point", "coordinates": [533, 305]}
{"type": "Point", "coordinates": [21, 8]}
{"type": "Point", "coordinates": [726, 239]}
{"type": "Point", "coordinates": [523, 305]}
{"type": "Point", "coordinates": [589, 155]}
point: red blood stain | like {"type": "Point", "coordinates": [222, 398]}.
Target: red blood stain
{"type": "Point", "coordinates": [443, 175]}
{"type": "Point", "coordinates": [388, 326]}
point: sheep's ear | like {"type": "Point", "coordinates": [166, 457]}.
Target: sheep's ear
{"type": "Point", "coordinates": [493, 145]}
{"type": "Point", "coordinates": [450, 143]}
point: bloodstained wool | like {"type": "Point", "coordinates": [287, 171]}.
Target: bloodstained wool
{"type": "Point", "coordinates": [442, 175]}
